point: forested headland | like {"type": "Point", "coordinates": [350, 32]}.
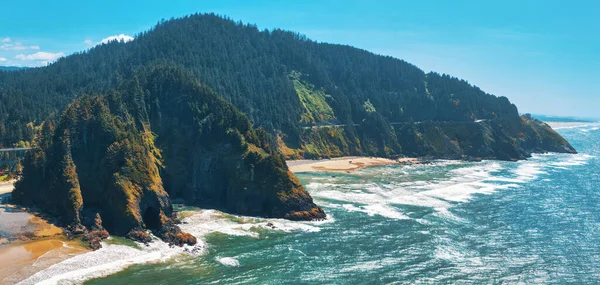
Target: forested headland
{"type": "Point", "coordinates": [206, 109]}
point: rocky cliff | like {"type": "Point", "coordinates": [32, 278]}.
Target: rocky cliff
{"type": "Point", "coordinates": [506, 138]}
{"type": "Point", "coordinates": [121, 157]}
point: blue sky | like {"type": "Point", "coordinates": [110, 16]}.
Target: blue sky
{"type": "Point", "coordinates": [543, 55]}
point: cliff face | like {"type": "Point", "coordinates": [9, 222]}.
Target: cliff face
{"type": "Point", "coordinates": [97, 166]}
{"type": "Point", "coordinates": [509, 138]}
{"type": "Point", "coordinates": [214, 158]}
{"type": "Point", "coordinates": [504, 139]}
{"type": "Point", "coordinates": [109, 155]}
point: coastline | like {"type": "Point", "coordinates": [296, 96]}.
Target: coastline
{"type": "Point", "coordinates": [567, 125]}
{"type": "Point", "coordinates": [28, 243]}
{"type": "Point", "coordinates": [344, 164]}
{"type": "Point", "coordinates": [22, 259]}
{"type": "Point", "coordinates": [36, 255]}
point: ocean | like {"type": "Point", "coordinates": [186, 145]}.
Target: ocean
{"type": "Point", "coordinates": [448, 222]}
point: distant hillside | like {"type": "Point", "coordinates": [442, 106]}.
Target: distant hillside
{"type": "Point", "coordinates": [11, 68]}
{"type": "Point", "coordinates": [317, 99]}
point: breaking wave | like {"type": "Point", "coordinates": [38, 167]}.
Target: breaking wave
{"type": "Point", "coordinates": [112, 258]}
{"type": "Point", "coordinates": [440, 186]}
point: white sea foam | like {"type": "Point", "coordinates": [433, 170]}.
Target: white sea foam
{"type": "Point", "coordinates": [448, 253]}
{"type": "Point", "coordinates": [440, 192]}
{"type": "Point", "coordinates": [228, 261]}
{"type": "Point", "coordinates": [297, 250]}
{"type": "Point", "coordinates": [585, 131]}
{"type": "Point", "coordinates": [370, 265]}
{"type": "Point", "coordinates": [376, 209]}
{"type": "Point", "coordinates": [563, 126]}
{"type": "Point", "coordinates": [572, 160]}
{"type": "Point", "coordinates": [204, 222]}
{"type": "Point", "coordinates": [468, 181]}
{"type": "Point", "coordinates": [528, 171]}
{"type": "Point", "coordinates": [464, 192]}
{"type": "Point", "coordinates": [114, 258]}
{"type": "Point", "coordinates": [105, 261]}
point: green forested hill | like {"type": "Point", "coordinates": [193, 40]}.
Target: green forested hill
{"type": "Point", "coordinates": [124, 155]}
{"type": "Point", "coordinates": [286, 84]}
{"type": "Point", "coordinates": [10, 68]}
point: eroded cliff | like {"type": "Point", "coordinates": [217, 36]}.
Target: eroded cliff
{"type": "Point", "coordinates": [119, 158]}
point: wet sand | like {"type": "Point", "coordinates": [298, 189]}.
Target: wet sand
{"type": "Point", "coordinates": [20, 260]}
{"type": "Point", "coordinates": [343, 164]}
{"type": "Point", "coordinates": [29, 243]}
{"type": "Point", "coordinates": [16, 222]}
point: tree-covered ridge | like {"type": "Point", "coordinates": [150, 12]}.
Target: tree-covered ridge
{"type": "Point", "coordinates": [280, 80]}
{"type": "Point", "coordinates": [11, 68]}
{"type": "Point", "coordinates": [161, 135]}
{"type": "Point", "coordinates": [95, 163]}
{"type": "Point", "coordinates": [250, 68]}
{"type": "Point", "coordinates": [222, 162]}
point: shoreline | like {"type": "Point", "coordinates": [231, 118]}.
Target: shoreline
{"type": "Point", "coordinates": [567, 125]}
{"type": "Point", "coordinates": [29, 243]}
{"type": "Point", "coordinates": [353, 163]}
{"type": "Point", "coordinates": [344, 164]}
{"type": "Point", "coordinates": [20, 260]}
{"type": "Point", "coordinates": [25, 258]}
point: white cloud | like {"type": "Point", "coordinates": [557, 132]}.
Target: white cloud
{"type": "Point", "coordinates": [88, 42]}
{"type": "Point", "coordinates": [7, 44]}
{"type": "Point", "coordinates": [41, 56]}
{"type": "Point", "coordinates": [119, 38]}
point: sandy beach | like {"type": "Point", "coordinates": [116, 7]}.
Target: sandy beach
{"type": "Point", "coordinates": [343, 164]}
{"type": "Point", "coordinates": [29, 243]}
{"type": "Point", "coordinates": [20, 260]}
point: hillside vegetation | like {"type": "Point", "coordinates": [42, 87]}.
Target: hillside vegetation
{"type": "Point", "coordinates": [283, 82]}
{"type": "Point", "coordinates": [123, 155]}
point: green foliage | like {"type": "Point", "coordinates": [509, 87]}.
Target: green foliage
{"type": "Point", "coordinates": [257, 71]}
{"type": "Point", "coordinates": [93, 159]}
{"type": "Point", "coordinates": [280, 80]}
{"type": "Point", "coordinates": [111, 153]}
{"type": "Point", "coordinates": [314, 102]}
{"type": "Point", "coordinates": [369, 108]}
{"type": "Point", "coordinates": [22, 144]}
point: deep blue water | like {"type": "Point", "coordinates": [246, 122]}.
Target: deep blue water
{"type": "Point", "coordinates": [531, 222]}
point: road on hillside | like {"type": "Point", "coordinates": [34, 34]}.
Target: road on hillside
{"type": "Point", "coordinates": [392, 124]}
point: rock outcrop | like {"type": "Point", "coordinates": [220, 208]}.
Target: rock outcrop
{"type": "Point", "coordinates": [505, 139]}
{"type": "Point", "coordinates": [108, 157]}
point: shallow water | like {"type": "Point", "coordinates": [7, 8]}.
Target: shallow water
{"type": "Point", "coordinates": [533, 221]}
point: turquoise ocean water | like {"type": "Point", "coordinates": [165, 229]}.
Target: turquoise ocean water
{"type": "Point", "coordinates": [532, 222]}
